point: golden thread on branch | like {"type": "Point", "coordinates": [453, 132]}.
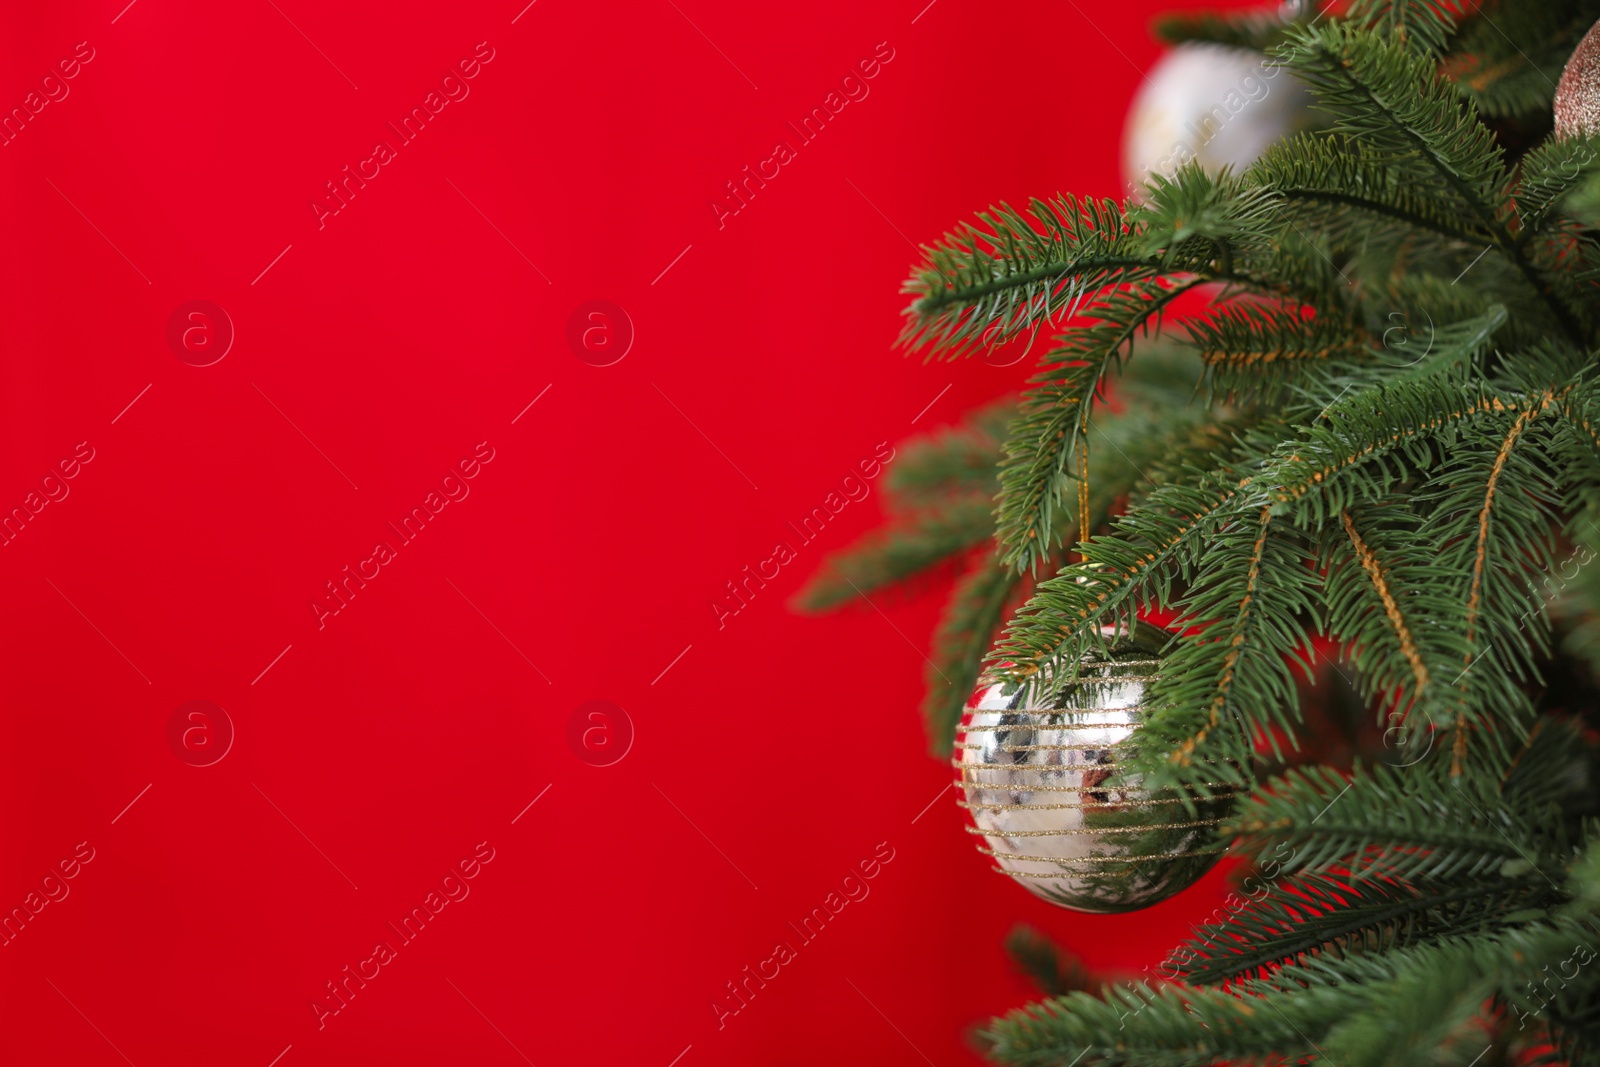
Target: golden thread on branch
{"type": "Point", "coordinates": [1458, 749]}
{"type": "Point", "coordinates": [1380, 582]}
{"type": "Point", "coordinates": [1184, 754]}
{"type": "Point", "coordinates": [1121, 577]}
{"type": "Point", "coordinates": [1239, 358]}
{"type": "Point", "coordinates": [1580, 420]}
{"type": "Point", "coordinates": [1083, 487]}
{"type": "Point", "coordinates": [1083, 374]}
{"type": "Point", "coordinates": [1316, 477]}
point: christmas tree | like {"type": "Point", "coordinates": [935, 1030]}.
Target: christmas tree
{"type": "Point", "coordinates": [1358, 490]}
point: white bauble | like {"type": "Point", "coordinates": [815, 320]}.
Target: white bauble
{"type": "Point", "coordinates": [1223, 106]}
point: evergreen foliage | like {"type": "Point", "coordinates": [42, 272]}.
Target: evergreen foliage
{"type": "Point", "coordinates": [1055, 971]}
{"type": "Point", "coordinates": [1380, 436]}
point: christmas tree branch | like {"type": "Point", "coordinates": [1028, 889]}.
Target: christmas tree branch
{"type": "Point", "coordinates": [1395, 98]}
{"type": "Point", "coordinates": [1055, 417]}
{"type": "Point", "coordinates": [1321, 916]}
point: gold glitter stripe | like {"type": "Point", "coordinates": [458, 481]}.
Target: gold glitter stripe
{"type": "Point", "coordinates": [1096, 832]}
{"type": "Point", "coordinates": [1036, 724]}
{"type": "Point", "coordinates": [1089, 859]}
{"type": "Point", "coordinates": [975, 747]}
{"type": "Point", "coordinates": [1037, 768]}
{"type": "Point", "coordinates": [1045, 713]}
{"type": "Point", "coordinates": [975, 785]}
{"type": "Point", "coordinates": [1048, 727]}
{"type": "Point", "coordinates": [1065, 807]}
{"type": "Point", "coordinates": [1129, 715]}
{"type": "Point", "coordinates": [1092, 662]}
{"type": "Point", "coordinates": [1098, 679]}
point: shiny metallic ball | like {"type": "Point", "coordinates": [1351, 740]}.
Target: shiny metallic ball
{"type": "Point", "coordinates": [1036, 781]}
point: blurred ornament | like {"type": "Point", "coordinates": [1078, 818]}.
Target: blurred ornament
{"type": "Point", "coordinates": [1223, 106]}
{"type": "Point", "coordinates": [1577, 104]}
{"type": "Point", "coordinates": [1036, 778]}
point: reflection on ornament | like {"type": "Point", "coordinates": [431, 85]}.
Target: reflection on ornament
{"type": "Point", "coordinates": [1223, 106]}
{"type": "Point", "coordinates": [1577, 105]}
{"type": "Point", "coordinates": [1038, 781]}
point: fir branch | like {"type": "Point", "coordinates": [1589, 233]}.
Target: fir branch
{"type": "Point", "coordinates": [1579, 595]}
{"type": "Point", "coordinates": [1365, 431]}
{"type": "Point", "coordinates": [1357, 1010]}
{"type": "Point", "coordinates": [1325, 916]}
{"type": "Point", "coordinates": [915, 543]}
{"type": "Point", "coordinates": [1014, 272]}
{"type": "Point", "coordinates": [976, 608]}
{"type": "Point", "coordinates": [1438, 988]}
{"type": "Point", "coordinates": [1422, 25]}
{"type": "Point", "coordinates": [1227, 684]}
{"type": "Point", "coordinates": [1551, 779]}
{"type": "Point", "coordinates": [1404, 634]}
{"type": "Point", "coordinates": [1392, 100]}
{"type": "Point", "coordinates": [1134, 561]}
{"type": "Point", "coordinates": [933, 468]}
{"type": "Point", "coordinates": [1055, 417]}
{"type": "Point", "coordinates": [1550, 173]}
{"type": "Point", "coordinates": [1475, 589]}
{"type": "Point", "coordinates": [1451, 347]}
{"type": "Point", "coordinates": [1335, 172]}
{"type": "Point", "coordinates": [1140, 1025]}
{"type": "Point", "coordinates": [1133, 456]}
{"type": "Point", "coordinates": [1507, 59]}
{"type": "Point", "coordinates": [1386, 823]}
{"type": "Point", "coordinates": [1399, 623]}
{"type": "Point", "coordinates": [1250, 349]}
{"type": "Point", "coordinates": [1257, 31]}
{"type": "Point", "coordinates": [1235, 646]}
{"type": "Point", "coordinates": [1201, 223]}
{"type": "Point", "coordinates": [1583, 204]}
{"type": "Point", "coordinates": [1054, 970]}
{"type": "Point", "coordinates": [1194, 227]}
{"type": "Point", "coordinates": [1424, 1010]}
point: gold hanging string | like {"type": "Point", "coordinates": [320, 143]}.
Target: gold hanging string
{"type": "Point", "coordinates": [1083, 487]}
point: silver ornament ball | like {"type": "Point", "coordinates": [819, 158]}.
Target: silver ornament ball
{"type": "Point", "coordinates": [1037, 778]}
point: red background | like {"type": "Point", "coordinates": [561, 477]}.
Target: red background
{"type": "Point", "coordinates": [376, 752]}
